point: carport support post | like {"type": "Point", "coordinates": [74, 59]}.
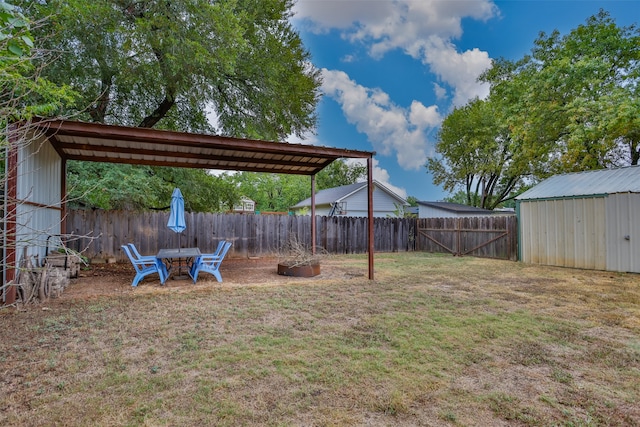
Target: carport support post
{"type": "Point", "coordinates": [63, 198]}
{"type": "Point", "coordinates": [370, 213]}
{"type": "Point", "coordinates": [313, 214]}
{"type": "Point", "coordinates": [9, 294]}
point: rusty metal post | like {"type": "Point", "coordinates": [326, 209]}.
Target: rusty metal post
{"type": "Point", "coordinates": [370, 212]}
{"type": "Point", "coordinates": [9, 263]}
{"type": "Point", "coordinates": [313, 214]}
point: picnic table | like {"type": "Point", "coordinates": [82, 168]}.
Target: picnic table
{"type": "Point", "coordinates": [171, 255]}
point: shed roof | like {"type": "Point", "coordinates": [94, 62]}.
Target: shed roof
{"type": "Point", "coordinates": [119, 144]}
{"type": "Point", "coordinates": [588, 183]}
{"type": "Point", "coordinates": [338, 194]}
{"type": "Point", "coordinates": [456, 207]}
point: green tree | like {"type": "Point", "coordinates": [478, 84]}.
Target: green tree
{"type": "Point", "coordinates": [131, 187]}
{"type": "Point", "coordinates": [272, 192]}
{"type": "Point", "coordinates": [574, 100]}
{"type": "Point", "coordinates": [459, 197]}
{"type": "Point", "coordinates": [278, 192]}
{"type": "Point", "coordinates": [23, 91]}
{"type": "Point", "coordinates": [477, 154]}
{"type": "Point", "coordinates": [339, 173]}
{"type": "Point", "coordinates": [166, 64]}
{"type": "Point", "coordinates": [571, 105]}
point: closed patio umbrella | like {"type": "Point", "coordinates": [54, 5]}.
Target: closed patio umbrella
{"type": "Point", "coordinates": [176, 216]}
{"type": "Point", "coordinates": [177, 222]}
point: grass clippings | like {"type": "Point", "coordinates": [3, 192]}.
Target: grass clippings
{"type": "Point", "coordinates": [434, 340]}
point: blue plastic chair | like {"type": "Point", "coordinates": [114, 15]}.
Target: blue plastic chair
{"type": "Point", "coordinates": [145, 266]}
{"type": "Point", "coordinates": [210, 263]}
{"type": "Point", "coordinates": [137, 255]}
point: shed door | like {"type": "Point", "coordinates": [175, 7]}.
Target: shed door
{"type": "Point", "coordinates": [623, 232]}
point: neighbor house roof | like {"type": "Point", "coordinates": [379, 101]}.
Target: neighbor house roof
{"type": "Point", "coordinates": [118, 144]}
{"type": "Point", "coordinates": [338, 194]}
{"type": "Point", "coordinates": [589, 183]}
{"type": "Point", "coordinates": [455, 207]}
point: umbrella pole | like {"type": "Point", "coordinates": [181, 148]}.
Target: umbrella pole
{"type": "Point", "coordinates": [180, 276]}
{"type": "Point", "coordinates": [179, 260]}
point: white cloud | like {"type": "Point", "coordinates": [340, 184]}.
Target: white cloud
{"type": "Point", "coordinates": [423, 29]}
{"type": "Point", "coordinates": [307, 139]}
{"type": "Point", "coordinates": [379, 174]}
{"type": "Point", "coordinates": [325, 15]}
{"type": "Point", "coordinates": [348, 58]}
{"type": "Point", "coordinates": [440, 92]}
{"type": "Point", "coordinates": [389, 127]}
{"type": "Point", "coordinates": [459, 70]}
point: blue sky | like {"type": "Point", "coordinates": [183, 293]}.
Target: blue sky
{"type": "Point", "coordinates": [392, 70]}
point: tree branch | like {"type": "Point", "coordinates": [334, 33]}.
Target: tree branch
{"type": "Point", "coordinates": [161, 110]}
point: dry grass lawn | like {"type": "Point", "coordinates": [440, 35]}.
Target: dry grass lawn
{"type": "Point", "coordinates": [434, 340]}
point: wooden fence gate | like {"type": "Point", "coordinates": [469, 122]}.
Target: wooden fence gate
{"type": "Point", "coordinates": [487, 237]}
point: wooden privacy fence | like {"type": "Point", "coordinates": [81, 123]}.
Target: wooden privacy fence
{"type": "Point", "coordinates": [482, 236]}
{"type": "Point", "coordinates": [252, 235]}
{"type": "Point", "coordinates": [261, 235]}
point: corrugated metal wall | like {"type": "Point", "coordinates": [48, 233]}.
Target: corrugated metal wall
{"type": "Point", "coordinates": [39, 194]}
{"type": "Point", "coordinates": [598, 233]}
{"type": "Point", "coordinates": [564, 232]}
{"type": "Point", "coordinates": [623, 232]}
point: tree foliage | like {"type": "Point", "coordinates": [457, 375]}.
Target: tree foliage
{"type": "Point", "coordinates": [174, 65]}
{"type": "Point", "coordinates": [23, 92]}
{"type": "Point", "coordinates": [278, 192]}
{"type": "Point", "coordinates": [272, 192]}
{"type": "Point", "coordinates": [576, 96]}
{"type": "Point", "coordinates": [165, 64]}
{"type": "Point", "coordinates": [481, 155]}
{"type": "Point", "coordinates": [133, 187]}
{"type": "Point", "coordinates": [571, 105]}
{"type": "Point", "coordinates": [339, 173]}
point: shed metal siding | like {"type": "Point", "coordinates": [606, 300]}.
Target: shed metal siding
{"type": "Point", "coordinates": [39, 195]}
{"type": "Point", "coordinates": [564, 232]}
{"type": "Point", "coordinates": [623, 232]}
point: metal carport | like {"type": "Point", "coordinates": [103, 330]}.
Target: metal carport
{"type": "Point", "coordinates": [73, 140]}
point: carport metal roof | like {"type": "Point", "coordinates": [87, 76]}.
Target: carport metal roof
{"type": "Point", "coordinates": [118, 144]}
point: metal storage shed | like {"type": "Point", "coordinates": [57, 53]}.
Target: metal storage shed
{"type": "Point", "coordinates": [585, 220]}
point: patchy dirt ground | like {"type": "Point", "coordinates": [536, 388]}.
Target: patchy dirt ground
{"type": "Point", "coordinates": [115, 279]}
